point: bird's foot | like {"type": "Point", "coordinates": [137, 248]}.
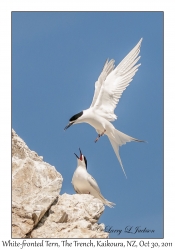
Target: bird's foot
{"type": "Point", "coordinates": [99, 135]}
{"type": "Point", "coordinates": [103, 132]}
{"type": "Point", "coordinates": [97, 138]}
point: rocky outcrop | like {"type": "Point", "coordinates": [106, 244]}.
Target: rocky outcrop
{"type": "Point", "coordinates": [73, 216]}
{"type": "Point", "coordinates": [35, 186]}
{"type": "Point", "coordinates": [38, 211]}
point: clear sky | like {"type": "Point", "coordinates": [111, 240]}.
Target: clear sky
{"type": "Point", "coordinates": [56, 59]}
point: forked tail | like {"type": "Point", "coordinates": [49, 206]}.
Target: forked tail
{"type": "Point", "coordinates": [118, 139]}
{"type": "Point", "coordinates": [109, 203]}
{"type": "Point", "coordinates": [106, 202]}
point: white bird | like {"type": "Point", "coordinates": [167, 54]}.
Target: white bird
{"type": "Point", "coordinates": [84, 183]}
{"type": "Point", "coordinates": [108, 90]}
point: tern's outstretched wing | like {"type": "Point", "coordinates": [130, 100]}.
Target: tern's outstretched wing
{"type": "Point", "coordinates": [115, 83]}
{"type": "Point", "coordinates": [108, 67]}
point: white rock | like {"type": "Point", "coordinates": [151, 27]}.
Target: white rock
{"type": "Point", "coordinates": [37, 209]}
{"type": "Point", "coordinates": [73, 216]}
{"type": "Point", "coordinates": [35, 186]}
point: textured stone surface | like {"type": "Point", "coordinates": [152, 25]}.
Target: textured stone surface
{"type": "Point", "coordinates": [35, 186]}
{"type": "Point", "coordinates": [38, 211]}
{"type": "Point", "coordinates": [73, 216]}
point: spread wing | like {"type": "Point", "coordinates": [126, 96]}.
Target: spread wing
{"type": "Point", "coordinates": [107, 68]}
{"type": "Point", "coordinates": [110, 88]}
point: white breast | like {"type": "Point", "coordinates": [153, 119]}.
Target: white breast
{"type": "Point", "coordinates": [79, 180]}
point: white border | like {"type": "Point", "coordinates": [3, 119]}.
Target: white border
{"type": "Point", "coordinates": [5, 91]}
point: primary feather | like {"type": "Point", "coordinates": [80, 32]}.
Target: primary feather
{"type": "Point", "coordinates": [113, 81]}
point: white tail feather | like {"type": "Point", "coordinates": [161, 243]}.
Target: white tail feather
{"type": "Point", "coordinates": [118, 139]}
{"type": "Point", "coordinates": [109, 203]}
{"type": "Point", "coordinates": [106, 202]}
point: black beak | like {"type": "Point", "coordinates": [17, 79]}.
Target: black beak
{"type": "Point", "coordinates": [76, 156]}
{"type": "Point", "coordinates": [70, 123]}
{"type": "Point", "coordinates": [80, 158]}
{"type": "Point", "coordinates": [80, 154]}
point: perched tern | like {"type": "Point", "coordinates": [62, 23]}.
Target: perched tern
{"type": "Point", "coordinates": [84, 183]}
{"type": "Point", "coordinates": [108, 90]}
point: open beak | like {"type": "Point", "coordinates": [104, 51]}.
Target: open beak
{"type": "Point", "coordinates": [80, 155]}
{"type": "Point", "coordinates": [70, 123]}
{"type": "Point", "coordinates": [76, 156]}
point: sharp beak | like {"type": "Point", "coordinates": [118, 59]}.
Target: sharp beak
{"type": "Point", "coordinates": [70, 123]}
{"type": "Point", "coordinates": [76, 156]}
{"type": "Point", "coordinates": [80, 154]}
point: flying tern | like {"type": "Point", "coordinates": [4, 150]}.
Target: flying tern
{"type": "Point", "coordinates": [84, 183]}
{"type": "Point", "coordinates": [108, 90]}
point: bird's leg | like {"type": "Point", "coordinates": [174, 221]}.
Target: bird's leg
{"type": "Point", "coordinates": [100, 135]}
{"type": "Point", "coordinates": [97, 138]}
{"type": "Point", "coordinates": [103, 132]}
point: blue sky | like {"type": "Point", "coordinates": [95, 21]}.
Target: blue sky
{"type": "Point", "coordinates": [56, 59]}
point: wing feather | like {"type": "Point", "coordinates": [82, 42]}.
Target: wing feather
{"type": "Point", "coordinates": [115, 83]}
{"type": "Point", "coordinates": [93, 183]}
{"type": "Point", "coordinates": [107, 68]}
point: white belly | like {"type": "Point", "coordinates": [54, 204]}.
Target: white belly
{"type": "Point", "coordinates": [98, 122]}
{"type": "Point", "coordinates": [80, 182]}
{"type": "Point", "coordinates": [82, 185]}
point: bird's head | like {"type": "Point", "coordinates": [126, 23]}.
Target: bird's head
{"type": "Point", "coordinates": [74, 119]}
{"type": "Point", "coordinates": [82, 161]}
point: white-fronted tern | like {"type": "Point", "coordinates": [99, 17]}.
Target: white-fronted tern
{"type": "Point", "coordinates": [84, 183]}
{"type": "Point", "coordinates": [108, 90]}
